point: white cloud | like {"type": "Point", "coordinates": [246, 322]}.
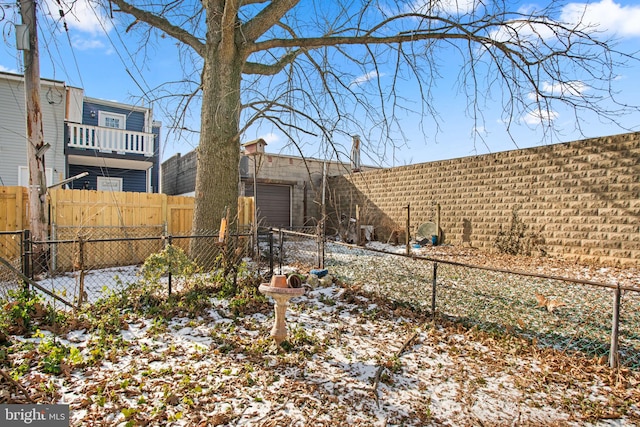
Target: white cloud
{"type": "Point", "coordinates": [8, 70]}
{"type": "Point", "coordinates": [87, 44]}
{"type": "Point", "coordinates": [606, 16]}
{"type": "Point", "coordinates": [453, 7]}
{"type": "Point", "coordinates": [539, 116]}
{"type": "Point", "coordinates": [83, 15]}
{"type": "Point", "coordinates": [522, 31]}
{"type": "Point", "coordinates": [564, 89]}
{"type": "Point", "coordinates": [270, 138]}
{"type": "Point", "coordinates": [365, 78]}
{"type": "Point", "coordinates": [571, 88]}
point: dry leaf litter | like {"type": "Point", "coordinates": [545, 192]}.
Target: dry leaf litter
{"type": "Point", "coordinates": [352, 358]}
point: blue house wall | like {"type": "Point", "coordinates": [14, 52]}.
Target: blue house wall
{"type": "Point", "coordinates": [132, 180]}
{"type": "Point", "coordinates": [135, 119]}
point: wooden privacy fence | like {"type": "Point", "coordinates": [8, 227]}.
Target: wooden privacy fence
{"type": "Point", "coordinates": [13, 208]}
{"type": "Point", "coordinates": [82, 212]}
{"type": "Point", "coordinates": [90, 214]}
{"type": "Point", "coordinates": [86, 209]}
{"type": "Point", "coordinates": [13, 218]}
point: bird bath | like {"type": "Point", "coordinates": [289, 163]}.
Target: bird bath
{"type": "Point", "coordinates": [281, 294]}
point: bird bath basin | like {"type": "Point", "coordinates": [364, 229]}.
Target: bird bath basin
{"type": "Point", "coordinates": [281, 294]}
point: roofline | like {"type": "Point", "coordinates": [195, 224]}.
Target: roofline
{"type": "Point", "coordinates": [20, 78]}
{"type": "Point", "coordinates": [283, 156]}
{"type": "Point", "coordinates": [116, 104]}
{"type": "Point", "coordinates": [291, 156]}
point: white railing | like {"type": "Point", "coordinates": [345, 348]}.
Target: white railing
{"type": "Point", "coordinates": [108, 139]}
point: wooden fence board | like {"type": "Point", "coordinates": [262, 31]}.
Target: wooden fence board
{"type": "Point", "coordinates": [94, 214]}
{"type": "Point", "coordinates": [86, 209]}
{"type": "Point", "coordinates": [13, 208]}
{"type": "Point", "coordinates": [13, 216]}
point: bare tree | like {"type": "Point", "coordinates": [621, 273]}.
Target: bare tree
{"type": "Point", "coordinates": [300, 65]}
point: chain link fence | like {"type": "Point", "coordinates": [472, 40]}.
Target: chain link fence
{"type": "Point", "coordinates": [563, 313]}
{"type": "Point", "coordinates": [91, 264]}
{"type": "Point", "coordinates": [11, 251]}
{"type": "Point", "coordinates": [300, 248]}
{"type": "Point", "coordinates": [570, 315]}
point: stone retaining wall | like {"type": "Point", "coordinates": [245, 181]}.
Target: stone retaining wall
{"type": "Point", "coordinates": [579, 200]}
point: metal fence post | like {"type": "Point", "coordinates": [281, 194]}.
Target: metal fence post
{"type": "Point", "coordinates": [281, 251]}
{"type": "Point", "coordinates": [80, 266]}
{"type": "Point", "coordinates": [433, 290]}
{"type": "Point", "coordinates": [26, 255]}
{"type": "Point", "coordinates": [323, 240]}
{"type": "Point", "coordinates": [53, 247]}
{"type": "Point", "coordinates": [169, 242]}
{"type": "Point", "coordinates": [615, 324]}
{"type": "Point", "coordinates": [319, 258]}
{"type": "Point", "coordinates": [271, 251]}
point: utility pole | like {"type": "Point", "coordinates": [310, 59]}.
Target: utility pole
{"type": "Point", "coordinates": [36, 146]}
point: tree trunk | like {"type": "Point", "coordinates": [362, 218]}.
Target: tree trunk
{"type": "Point", "coordinates": [217, 187]}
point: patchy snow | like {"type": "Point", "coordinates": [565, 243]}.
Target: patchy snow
{"type": "Point", "coordinates": [353, 359]}
{"type": "Point", "coordinates": [345, 366]}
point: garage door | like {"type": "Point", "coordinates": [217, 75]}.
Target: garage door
{"type": "Point", "coordinates": [274, 204]}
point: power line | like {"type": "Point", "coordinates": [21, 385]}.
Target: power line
{"type": "Point", "coordinates": [144, 91]}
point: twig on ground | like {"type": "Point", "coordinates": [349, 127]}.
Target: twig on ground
{"type": "Point", "coordinates": [17, 385]}
{"type": "Point", "coordinates": [376, 381]}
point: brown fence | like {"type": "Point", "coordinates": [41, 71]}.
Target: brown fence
{"type": "Point", "coordinates": [13, 208]}
{"type": "Point", "coordinates": [88, 214]}
{"type": "Point", "coordinates": [81, 211]}
{"type": "Point", "coordinates": [86, 210]}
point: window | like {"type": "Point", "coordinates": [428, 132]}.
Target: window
{"type": "Point", "coordinates": [109, 184]}
{"type": "Point", "coordinates": [112, 120]}
{"type": "Point", "coordinates": [23, 176]}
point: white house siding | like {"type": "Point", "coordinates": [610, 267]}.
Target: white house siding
{"type": "Point", "coordinates": [13, 147]}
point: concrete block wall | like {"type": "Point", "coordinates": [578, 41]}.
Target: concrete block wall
{"type": "Point", "coordinates": [179, 174]}
{"type": "Point", "coordinates": [302, 175]}
{"type": "Point", "coordinates": [581, 199]}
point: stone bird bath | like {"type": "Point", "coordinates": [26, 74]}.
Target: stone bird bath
{"type": "Point", "coordinates": [278, 290]}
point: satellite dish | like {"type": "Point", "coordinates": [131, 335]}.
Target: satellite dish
{"type": "Point", "coordinates": [426, 230]}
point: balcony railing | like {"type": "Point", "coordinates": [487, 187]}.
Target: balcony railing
{"type": "Point", "coordinates": [108, 139]}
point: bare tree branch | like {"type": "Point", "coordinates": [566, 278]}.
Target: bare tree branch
{"type": "Point", "coordinates": [163, 24]}
{"type": "Point", "coordinates": [272, 69]}
{"type": "Point", "coordinates": [318, 71]}
{"type": "Point", "coordinates": [266, 19]}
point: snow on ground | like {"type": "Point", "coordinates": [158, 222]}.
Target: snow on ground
{"type": "Point", "coordinates": [352, 359]}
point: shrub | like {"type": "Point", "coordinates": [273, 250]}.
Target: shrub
{"type": "Point", "coordinates": [172, 260]}
{"type": "Point", "coordinates": [517, 240]}
{"type": "Point", "coordinates": [25, 310]}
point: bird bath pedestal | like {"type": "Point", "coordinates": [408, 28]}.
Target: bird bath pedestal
{"type": "Point", "coordinates": [281, 296]}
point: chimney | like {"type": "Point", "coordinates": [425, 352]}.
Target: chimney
{"type": "Point", "coordinates": [355, 153]}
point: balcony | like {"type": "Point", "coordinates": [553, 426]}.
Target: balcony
{"type": "Point", "coordinates": [110, 140]}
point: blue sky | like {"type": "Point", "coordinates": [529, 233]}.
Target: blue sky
{"type": "Point", "coordinates": [92, 55]}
